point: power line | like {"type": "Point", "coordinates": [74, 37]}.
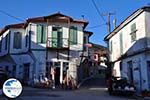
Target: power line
{"type": "Point", "coordinates": [96, 26]}
{"type": "Point", "coordinates": [11, 15]}
{"type": "Point", "coordinates": [97, 9]}
{"type": "Point", "coordinates": [108, 23]}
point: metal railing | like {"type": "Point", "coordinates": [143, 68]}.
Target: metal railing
{"type": "Point", "coordinates": [57, 42]}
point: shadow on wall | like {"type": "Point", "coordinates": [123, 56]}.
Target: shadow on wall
{"type": "Point", "coordinates": [135, 74]}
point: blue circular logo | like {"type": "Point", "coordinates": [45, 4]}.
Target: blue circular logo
{"type": "Point", "coordinates": [12, 88]}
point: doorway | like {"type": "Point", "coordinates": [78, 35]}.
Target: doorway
{"type": "Point", "coordinates": [130, 71]}
{"type": "Point", "coordinates": [148, 73]}
{"type": "Point", "coordinates": [26, 70]}
{"type": "Point", "coordinates": [57, 76]}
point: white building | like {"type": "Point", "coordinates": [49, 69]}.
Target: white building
{"type": "Point", "coordinates": [30, 50]}
{"type": "Point", "coordinates": [129, 46]}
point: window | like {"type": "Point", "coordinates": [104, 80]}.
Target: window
{"type": "Point", "coordinates": [73, 35]}
{"type": "Point", "coordinates": [133, 32]}
{"type": "Point", "coordinates": [110, 46]}
{"type": "Point", "coordinates": [6, 42]}
{"type": "Point", "coordinates": [121, 43]}
{"type": "Point", "coordinates": [41, 34]}
{"type": "Point", "coordinates": [17, 40]}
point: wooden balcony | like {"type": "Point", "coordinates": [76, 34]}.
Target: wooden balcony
{"type": "Point", "coordinates": [57, 43]}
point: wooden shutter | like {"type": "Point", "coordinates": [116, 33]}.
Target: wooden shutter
{"type": "Point", "coordinates": [133, 27]}
{"type": "Point", "coordinates": [73, 35]}
{"type": "Point", "coordinates": [39, 33]}
{"type": "Point", "coordinates": [121, 43]}
{"type": "Point", "coordinates": [43, 34]}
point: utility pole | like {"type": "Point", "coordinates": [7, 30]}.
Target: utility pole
{"type": "Point", "coordinates": [108, 22]}
{"type": "Point", "coordinates": [109, 64]}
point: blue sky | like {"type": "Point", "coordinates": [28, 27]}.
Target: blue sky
{"type": "Point", "coordinates": [75, 8]}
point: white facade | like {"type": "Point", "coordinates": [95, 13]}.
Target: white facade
{"type": "Point", "coordinates": [129, 55]}
{"type": "Point", "coordinates": [36, 59]}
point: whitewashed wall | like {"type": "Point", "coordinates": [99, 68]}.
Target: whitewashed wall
{"type": "Point", "coordinates": [3, 38]}
{"type": "Point", "coordinates": [23, 48]}
{"type": "Point", "coordinates": [129, 46]}
{"type": "Point", "coordinates": [80, 33]}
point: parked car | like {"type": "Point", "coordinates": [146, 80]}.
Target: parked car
{"type": "Point", "coordinates": [120, 85]}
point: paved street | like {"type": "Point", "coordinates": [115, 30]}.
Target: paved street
{"type": "Point", "coordinates": [87, 91]}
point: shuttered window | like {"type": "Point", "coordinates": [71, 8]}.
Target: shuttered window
{"type": "Point", "coordinates": [133, 32]}
{"type": "Point", "coordinates": [110, 46]}
{"type": "Point", "coordinates": [41, 34]}
{"type": "Point", "coordinates": [121, 43]}
{"type": "Point", "coordinates": [73, 35]}
{"type": "Point", "coordinates": [17, 40]}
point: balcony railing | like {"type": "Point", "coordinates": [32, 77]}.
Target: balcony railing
{"type": "Point", "coordinates": [58, 43]}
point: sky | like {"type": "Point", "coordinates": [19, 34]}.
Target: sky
{"type": "Point", "coordinates": [24, 9]}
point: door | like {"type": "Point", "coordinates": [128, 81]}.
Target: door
{"type": "Point", "coordinates": [57, 73]}
{"type": "Point", "coordinates": [57, 37]}
{"type": "Point", "coordinates": [148, 73]}
{"type": "Point", "coordinates": [130, 71]}
{"type": "Point", "coordinates": [26, 71]}
{"type": "Point", "coordinates": [57, 76]}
